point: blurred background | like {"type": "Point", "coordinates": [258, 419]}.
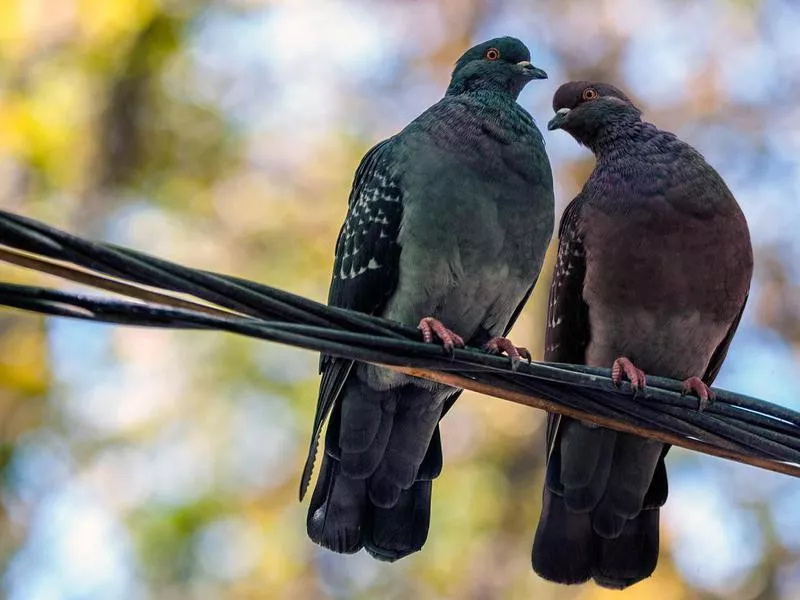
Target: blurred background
{"type": "Point", "coordinates": [224, 134]}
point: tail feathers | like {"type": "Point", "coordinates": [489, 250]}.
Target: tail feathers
{"type": "Point", "coordinates": [393, 533]}
{"type": "Point", "coordinates": [413, 428]}
{"type": "Point", "coordinates": [382, 449]}
{"type": "Point", "coordinates": [656, 496]}
{"type": "Point", "coordinates": [361, 434]}
{"type": "Point", "coordinates": [567, 550]}
{"type": "Point", "coordinates": [632, 556]}
{"type": "Point", "coordinates": [337, 509]}
{"type": "Point", "coordinates": [362, 416]}
{"type": "Point", "coordinates": [361, 465]}
{"type": "Point", "coordinates": [563, 547]}
{"type": "Point", "coordinates": [587, 454]}
{"type": "Point", "coordinates": [383, 492]}
{"type": "Point", "coordinates": [431, 466]}
{"type": "Point", "coordinates": [600, 507]}
{"type": "Point", "coordinates": [635, 462]}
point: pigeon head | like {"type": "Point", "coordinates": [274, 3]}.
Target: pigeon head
{"type": "Point", "coordinates": [501, 65]}
{"type": "Point", "coordinates": [584, 109]}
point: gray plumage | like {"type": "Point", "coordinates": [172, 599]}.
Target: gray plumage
{"type": "Point", "coordinates": [654, 265]}
{"type": "Point", "coordinates": [450, 219]}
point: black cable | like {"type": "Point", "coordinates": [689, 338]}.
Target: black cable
{"type": "Point", "coordinates": [734, 425]}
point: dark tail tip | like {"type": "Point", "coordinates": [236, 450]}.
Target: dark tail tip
{"type": "Point", "coordinates": [336, 510]}
{"type": "Point", "coordinates": [632, 556]}
{"type": "Point", "coordinates": [562, 548]}
{"type": "Point", "coordinates": [567, 550]}
{"type": "Point", "coordinates": [305, 479]}
{"type": "Point", "coordinates": [393, 533]}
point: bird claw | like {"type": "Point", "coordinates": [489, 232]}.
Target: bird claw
{"type": "Point", "coordinates": [431, 327]}
{"type": "Point", "coordinates": [500, 345]}
{"type": "Point", "coordinates": [705, 395]}
{"type": "Point", "coordinates": [634, 374]}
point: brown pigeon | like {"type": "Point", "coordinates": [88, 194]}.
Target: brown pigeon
{"type": "Point", "coordinates": [652, 276]}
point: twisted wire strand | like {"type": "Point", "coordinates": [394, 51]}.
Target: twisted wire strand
{"type": "Point", "coordinates": [159, 293]}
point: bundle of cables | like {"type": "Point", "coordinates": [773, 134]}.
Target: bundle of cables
{"type": "Point", "coordinates": [151, 292]}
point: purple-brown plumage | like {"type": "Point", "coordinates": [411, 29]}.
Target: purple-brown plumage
{"type": "Point", "coordinates": [652, 275]}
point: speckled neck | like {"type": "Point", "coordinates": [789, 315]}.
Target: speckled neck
{"type": "Point", "coordinates": [496, 83]}
{"type": "Point", "coordinates": [624, 133]}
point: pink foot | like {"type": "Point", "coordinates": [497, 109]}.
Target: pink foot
{"type": "Point", "coordinates": [500, 345]}
{"type": "Point", "coordinates": [695, 385]}
{"type": "Point", "coordinates": [430, 327]}
{"type": "Point", "coordinates": [635, 375]}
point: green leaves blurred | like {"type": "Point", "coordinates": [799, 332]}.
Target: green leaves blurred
{"type": "Point", "coordinates": [186, 129]}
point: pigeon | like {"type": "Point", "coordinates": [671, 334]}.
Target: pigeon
{"type": "Point", "coordinates": [652, 275]}
{"type": "Point", "coordinates": [446, 230]}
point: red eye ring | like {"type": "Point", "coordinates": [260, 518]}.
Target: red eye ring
{"type": "Point", "coordinates": [492, 54]}
{"type": "Point", "coordinates": [589, 94]}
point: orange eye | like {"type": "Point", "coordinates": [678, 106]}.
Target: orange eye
{"type": "Point", "coordinates": [589, 94]}
{"type": "Point", "coordinates": [492, 54]}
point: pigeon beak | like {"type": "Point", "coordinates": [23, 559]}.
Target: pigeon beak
{"type": "Point", "coordinates": [558, 121]}
{"type": "Point", "coordinates": [530, 71]}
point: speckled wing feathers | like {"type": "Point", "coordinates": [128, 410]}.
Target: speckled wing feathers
{"type": "Point", "coordinates": [567, 333]}
{"type": "Point", "coordinates": [364, 270]}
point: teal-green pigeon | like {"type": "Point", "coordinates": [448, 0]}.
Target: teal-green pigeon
{"type": "Point", "coordinates": [446, 230]}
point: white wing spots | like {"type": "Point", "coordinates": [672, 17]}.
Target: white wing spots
{"type": "Point", "coordinates": [353, 272]}
{"type": "Point", "coordinates": [569, 255]}
{"type": "Point", "coordinates": [368, 239]}
{"type": "Point", "coordinates": [561, 271]}
{"type": "Point", "coordinates": [554, 321]}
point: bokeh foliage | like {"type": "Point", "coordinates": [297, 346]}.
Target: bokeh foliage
{"type": "Point", "coordinates": [224, 134]}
